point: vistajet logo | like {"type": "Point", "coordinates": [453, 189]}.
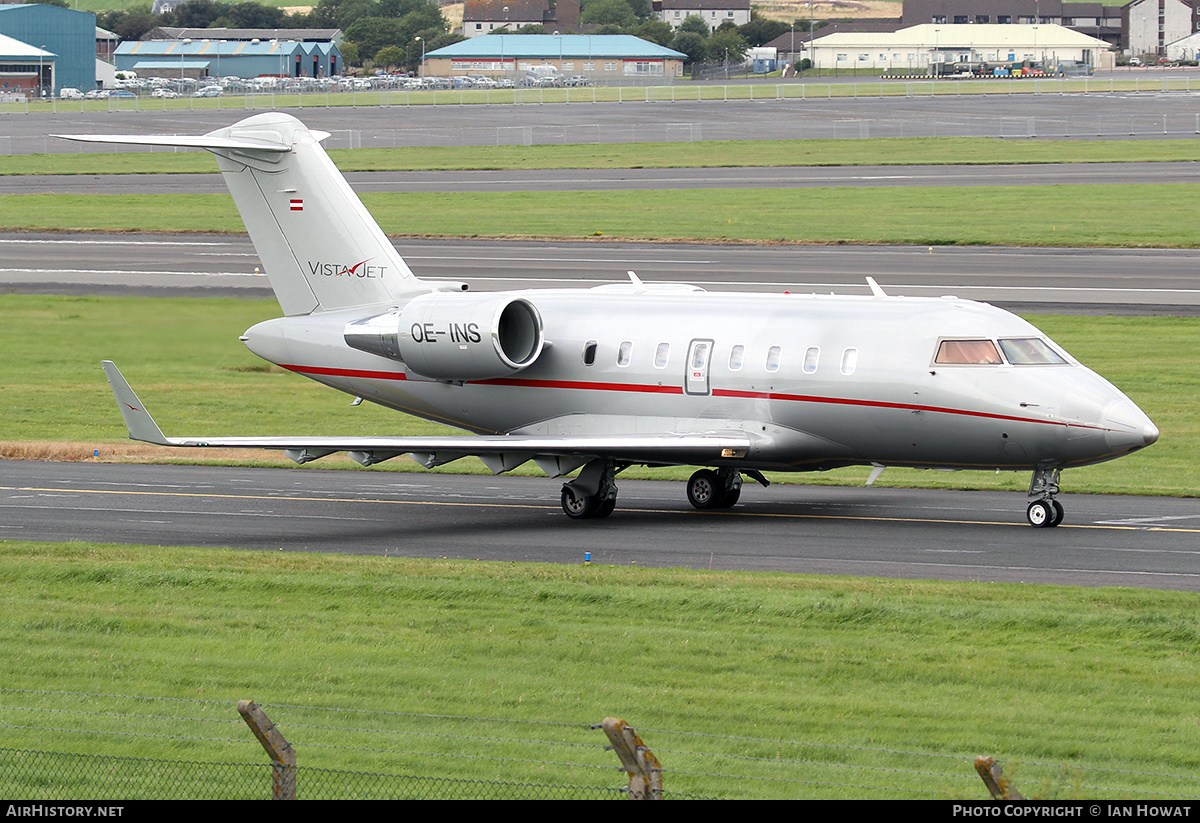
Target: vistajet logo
{"type": "Point", "coordinates": [359, 270]}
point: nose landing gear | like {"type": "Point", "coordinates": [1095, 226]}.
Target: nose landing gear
{"type": "Point", "coordinates": [1045, 512]}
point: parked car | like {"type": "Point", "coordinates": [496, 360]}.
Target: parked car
{"type": "Point", "coordinates": [170, 93]}
{"type": "Point", "coordinates": [70, 94]}
{"type": "Point", "coordinates": [209, 91]}
{"type": "Point", "coordinates": [121, 93]}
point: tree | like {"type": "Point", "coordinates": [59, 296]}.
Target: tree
{"type": "Point", "coordinates": [371, 34]}
{"type": "Point", "coordinates": [389, 57]}
{"type": "Point", "coordinates": [690, 44]}
{"type": "Point", "coordinates": [608, 12]}
{"type": "Point", "coordinates": [725, 43]}
{"type": "Point", "coordinates": [194, 14]}
{"type": "Point", "coordinates": [249, 16]}
{"type": "Point", "coordinates": [762, 30]}
{"type": "Point", "coordinates": [695, 24]}
{"type": "Point", "coordinates": [655, 31]}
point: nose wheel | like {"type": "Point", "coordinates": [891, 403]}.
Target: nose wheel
{"type": "Point", "coordinates": [1046, 512]}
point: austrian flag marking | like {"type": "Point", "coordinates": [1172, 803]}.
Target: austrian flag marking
{"type": "Point", "coordinates": [297, 205]}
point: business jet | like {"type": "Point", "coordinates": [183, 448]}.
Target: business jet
{"type": "Point", "coordinates": [637, 373]}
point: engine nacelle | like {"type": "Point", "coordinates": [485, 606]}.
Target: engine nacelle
{"type": "Point", "coordinates": [455, 336]}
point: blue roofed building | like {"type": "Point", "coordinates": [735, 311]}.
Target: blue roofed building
{"type": "Point", "coordinates": [229, 58]}
{"type": "Point", "coordinates": [70, 36]}
{"type": "Point", "coordinates": [602, 58]}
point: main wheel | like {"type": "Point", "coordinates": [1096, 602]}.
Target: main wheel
{"type": "Point", "coordinates": [704, 490]}
{"type": "Point", "coordinates": [606, 507]}
{"type": "Point", "coordinates": [1058, 512]}
{"type": "Point", "coordinates": [580, 507]}
{"type": "Point", "coordinates": [730, 498]}
{"type": "Point", "coordinates": [1041, 514]}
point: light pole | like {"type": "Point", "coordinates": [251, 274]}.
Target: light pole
{"type": "Point", "coordinates": [421, 69]}
{"type": "Point", "coordinates": [183, 44]}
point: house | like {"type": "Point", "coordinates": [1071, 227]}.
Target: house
{"type": "Point", "coordinates": [712, 12]}
{"type": "Point", "coordinates": [485, 16]}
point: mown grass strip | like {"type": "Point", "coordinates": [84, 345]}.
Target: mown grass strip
{"type": "Point", "coordinates": [983, 215]}
{"type": "Point", "coordinates": [183, 357]}
{"type": "Point", "coordinates": [1089, 678]}
{"type": "Point", "coordinates": [708, 154]}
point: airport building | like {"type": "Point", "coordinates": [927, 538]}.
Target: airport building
{"type": "Point", "coordinates": [609, 58]}
{"type": "Point", "coordinates": [917, 48]}
{"type": "Point", "coordinates": [67, 36]}
{"type": "Point", "coordinates": [197, 59]}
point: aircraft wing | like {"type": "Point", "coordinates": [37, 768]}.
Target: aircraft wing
{"type": "Point", "coordinates": [556, 455]}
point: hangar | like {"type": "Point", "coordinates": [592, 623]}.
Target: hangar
{"type": "Point", "coordinates": [24, 68]}
{"type": "Point", "coordinates": [606, 58]}
{"type": "Point", "coordinates": [918, 47]}
{"type": "Point", "coordinates": [229, 58]}
{"type": "Point", "coordinates": [68, 36]}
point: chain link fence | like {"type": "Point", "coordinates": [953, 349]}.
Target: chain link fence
{"type": "Point", "coordinates": [40, 775]}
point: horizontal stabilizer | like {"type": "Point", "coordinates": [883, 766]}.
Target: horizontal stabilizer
{"type": "Point", "coordinates": [211, 142]}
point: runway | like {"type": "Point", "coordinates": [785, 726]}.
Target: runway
{"type": "Point", "coordinates": [1125, 281]}
{"type": "Point", "coordinates": [896, 533]}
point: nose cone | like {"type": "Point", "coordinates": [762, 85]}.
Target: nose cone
{"type": "Point", "coordinates": [1126, 427]}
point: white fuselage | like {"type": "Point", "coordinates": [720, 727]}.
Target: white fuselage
{"type": "Point", "coordinates": [821, 381]}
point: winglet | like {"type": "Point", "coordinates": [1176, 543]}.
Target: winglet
{"type": "Point", "coordinates": [139, 422]}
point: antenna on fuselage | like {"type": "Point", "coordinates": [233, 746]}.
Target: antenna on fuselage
{"type": "Point", "coordinates": [638, 286]}
{"type": "Point", "coordinates": [876, 291]}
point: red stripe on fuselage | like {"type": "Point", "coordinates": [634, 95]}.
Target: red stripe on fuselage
{"type": "Point", "coordinates": [528, 383]}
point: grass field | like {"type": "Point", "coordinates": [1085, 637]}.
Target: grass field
{"type": "Point", "coordinates": [806, 686]}
{"type": "Point", "coordinates": [714, 153]}
{"type": "Point", "coordinates": [984, 215]}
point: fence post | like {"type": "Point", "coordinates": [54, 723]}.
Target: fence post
{"type": "Point", "coordinates": [643, 768]}
{"type": "Point", "coordinates": [993, 777]}
{"type": "Point", "coordinates": [283, 756]}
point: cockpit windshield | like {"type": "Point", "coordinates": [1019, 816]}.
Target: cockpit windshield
{"type": "Point", "coordinates": [1018, 351]}
{"type": "Point", "coordinates": [1029, 351]}
{"type": "Point", "coordinates": [968, 353]}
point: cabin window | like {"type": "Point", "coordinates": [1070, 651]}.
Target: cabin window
{"type": "Point", "coordinates": [700, 357]}
{"type": "Point", "coordinates": [967, 353]}
{"type": "Point", "coordinates": [662, 355]}
{"type": "Point", "coordinates": [624, 352]}
{"type": "Point", "coordinates": [1030, 351]}
{"type": "Point", "coordinates": [737, 357]}
{"type": "Point", "coordinates": [774, 355]}
{"type": "Point", "coordinates": [849, 361]}
{"type": "Point", "coordinates": [589, 352]}
{"type": "Point", "coordinates": [811, 358]}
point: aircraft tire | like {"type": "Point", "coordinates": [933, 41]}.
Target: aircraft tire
{"type": "Point", "coordinates": [704, 490]}
{"type": "Point", "coordinates": [583, 507]}
{"type": "Point", "coordinates": [1040, 514]}
{"type": "Point", "coordinates": [1058, 512]}
{"type": "Point", "coordinates": [730, 498]}
{"type": "Point", "coordinates": [606, 507]}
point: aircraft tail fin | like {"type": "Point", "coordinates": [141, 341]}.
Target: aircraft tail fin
{"type": "Point", "coordinates": [320, 246]}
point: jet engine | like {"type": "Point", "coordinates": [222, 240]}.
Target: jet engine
{"type": "Point", "coordinates": [455, 336]}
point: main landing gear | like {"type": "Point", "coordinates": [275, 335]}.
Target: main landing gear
{"type": "Point", "coordinates": [708, 489]}
{"type": "Point", "coordinates": [1045, 512]}
{"type": "Point", "coordinates": [593, 494]}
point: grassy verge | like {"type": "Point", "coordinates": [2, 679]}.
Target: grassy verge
{"type": "Point", "coordinates": [1093, 679]}
{"type": "Point", "coordinates": [716, 153]}
{"type": "Point", "coordinates": [183, 357]}
{"type": "Point", "coordinates": [984, 215]}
